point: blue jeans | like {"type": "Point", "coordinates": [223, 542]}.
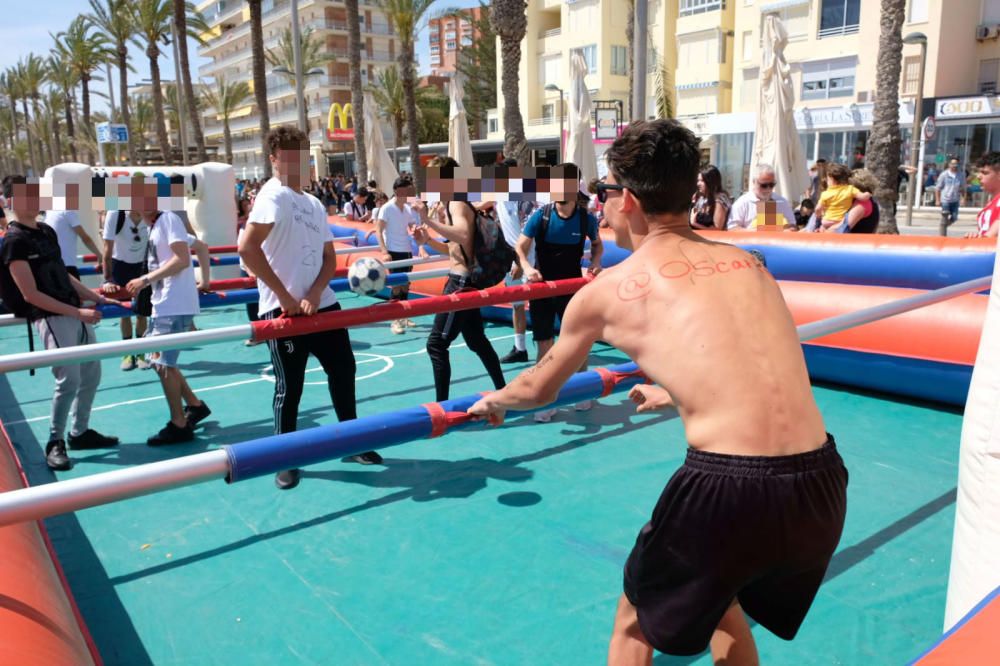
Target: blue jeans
{"type": "Point", "coordinates": [949, 211]}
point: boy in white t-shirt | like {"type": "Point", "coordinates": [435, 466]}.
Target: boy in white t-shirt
{"type": "Point", "coordinates": [393, 227]}
{"type": "Point", "coordinates": [125, 237]}
{"type": "Point", "coordinates": [175, 303]}
{"type": "Point", "coordinates": [66, 224]}
{"type": "Point", "coordinates": [288, 245]}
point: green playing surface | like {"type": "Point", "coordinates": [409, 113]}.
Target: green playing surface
{"type": "Point", "coordinates": [483, 546]}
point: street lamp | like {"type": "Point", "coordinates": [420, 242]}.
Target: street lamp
{"type": "Point", "coordinates": [915, 134]}
{"type": "Point", "coordinates": [553, 88]}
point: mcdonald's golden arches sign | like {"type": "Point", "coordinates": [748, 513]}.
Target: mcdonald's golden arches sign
{"type": "Point", "coordinates": [338, 125]}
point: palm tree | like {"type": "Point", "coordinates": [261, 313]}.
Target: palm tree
{"type": "Point", "coordinates": [259, 79]}
{"type": "Point", "coordinates": [9, 89]}
{"type": "Point", "coordinates": [52, 102]}
{"type": "Point", "coordinates": [84, 50]}
{"type": "Point", "coordinates": [152, 22]}
{"type": "Point", "coordinates": [312, 52]}
{"type": "Point", "coordinates": [882, 154]}
{"type": "Point", "coordinates": [391, 102]}
{"type": "Point", "coordinates": [510, 23]}
{"type": "Point", "coordinates": [30, 75]}
{"type": "Point", "coordinates": [403, 17]}
{"type": "Point", "coordinates": [225, 99]}
{"type": "Point", "coordinates": [142, 118]}
{"type": "Point", "coordinates": [64, 78]}
{"type": "Point", "coordinates": [114, 20]}
{"type": "Point", "coordinates": [357, 96]}
{"type": "Point", "coordinates": [185, 24]}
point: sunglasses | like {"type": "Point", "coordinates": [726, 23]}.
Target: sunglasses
{"type": "Point", "coordinates": [766, 186]}
{"type": "Point", "coordinates": [604, 188]}
{"type": "Point", "coordinates": [135, 237]}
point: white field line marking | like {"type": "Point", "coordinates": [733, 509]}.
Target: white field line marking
{"type": "Point", "coordinates": [263, 378]}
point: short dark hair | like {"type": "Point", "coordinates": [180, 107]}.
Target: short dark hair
{"type": "Point", "coordinates": [286, 138]}
{"type": "Point", "coordinates": [362, 192]}
{"type": "Point", "coordinates": [839, 172]}
{"type": "Point", "coordinates": [510, 162]}
{"type": "Point", "coordinates": [442, 161]}
{"type": "Point", "coordinates": [658, 161]}
{"type": "Point", "coordinates": [402, 181]}
{"type": "Point", "coordinates": [990, 159]}
{"type": "Point", "coordinates": [807, 203]}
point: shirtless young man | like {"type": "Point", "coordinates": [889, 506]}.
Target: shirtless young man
{"type": "Point", "coordinates": [751, 520]}
{"type": "Point", "coordinates": [459, 232]}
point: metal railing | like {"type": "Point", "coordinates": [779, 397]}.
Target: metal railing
{"type": "Point", "coordinates": [840, 30]}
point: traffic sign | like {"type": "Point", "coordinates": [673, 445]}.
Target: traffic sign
{"type": "Point", "coordinates": [930, 127]}
{"type": "Point", "coordinates": [112, 133]}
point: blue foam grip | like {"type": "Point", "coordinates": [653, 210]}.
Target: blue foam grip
{"type": "Point", "coordinates": [272, 454]}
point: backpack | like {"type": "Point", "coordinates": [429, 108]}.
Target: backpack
{"type": "Point", "coordinates": [120, 223]}
{"type": "Point", "coordinates": [491, 254]}
{"type": "Point", "coordinates": [547, 217]}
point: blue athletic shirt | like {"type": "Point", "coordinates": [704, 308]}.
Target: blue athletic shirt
{"type": "Point", "coordinates": [561, 231]}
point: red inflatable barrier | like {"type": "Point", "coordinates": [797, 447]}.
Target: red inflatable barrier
{"type": "Point", "coordinates": [41, 623]}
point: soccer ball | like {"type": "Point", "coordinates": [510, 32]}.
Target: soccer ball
{"type": "Point", "coordinates": [366, 276]}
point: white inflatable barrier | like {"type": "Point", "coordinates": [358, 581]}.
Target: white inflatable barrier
{"type": "Point", "coordinates": [209, 194]}
{"type": "Point", "coordinates": [975, 552]}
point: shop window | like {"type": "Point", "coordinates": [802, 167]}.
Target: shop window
{"type": "Point", "coordinates": [839, 17]}
{"type": "Point", "coordinates": [619, 60]}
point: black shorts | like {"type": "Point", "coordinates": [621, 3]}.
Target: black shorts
{"type": "Point", "coordinates": [123, 272]}
{"type": "Point", "coordinates": [72, 270]}
{"type": "Point", "coordinates": [543, 316]}
{"type": "Point", "coordinates": [760, 530]}
{"type": "Point", "coordinates": [399, 256]}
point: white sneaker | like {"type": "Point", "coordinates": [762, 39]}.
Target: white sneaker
{"type": "Point", "coordinates": [142, 363]}
{"type": "Point", "coordinates": [544, 416]}
{"type": "Point", "coordinates": [409, 323]}
{"type": "Point", "coordinates": [398, 327]}
{"type": "Point", "coordinates": [128, 362]}
{"type": "Point", "coordinates": [584, 405]}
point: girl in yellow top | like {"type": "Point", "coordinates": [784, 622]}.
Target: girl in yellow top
{"type": "Point", "coordinates": [840, 198]}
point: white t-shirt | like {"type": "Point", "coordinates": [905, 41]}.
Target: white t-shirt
{"type": "Point", "coordinates": [177, 294]}
{"type": "Point", "coordinates": [126, 247]}
{"type": "Point", "coordinates": [511, 225]}
{"type": "Point", "coordinates": [396, 234]}
{"type": "Point", "coordinates": [743, 214]}
{"type": "Point", "coordinates": [65, 222]}
{"type": "Point", "coordinates": [294, 248]}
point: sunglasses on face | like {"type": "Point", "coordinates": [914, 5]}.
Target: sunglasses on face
{"type": "Point", "coordinates": [766, 186]}
{"type": "Point", "coordinates": [604, 188]}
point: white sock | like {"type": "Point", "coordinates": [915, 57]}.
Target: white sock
{"type": "Point", "coordinates": [519, 342]}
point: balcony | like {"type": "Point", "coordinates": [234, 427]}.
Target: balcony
{"type": "Point", "coordinates": [837, 31]}
{"type": "Point", "coordinates": [545, 34]}
{"type": "Point", "coordinates": [341, 26]}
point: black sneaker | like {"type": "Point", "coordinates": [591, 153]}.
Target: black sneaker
{"type": "Point", "coordinates": [171, 434]}
{"type": "Point", "coordinates": [515, 355]}
{"type": "Point", "coordinates": [91, 439]}
{"type": "Point", "coordinates": [287, 480]}
{"type": "Point", "coordinates": [196, 415]}
{"type": "Point", "coordinates": [368, 458]}
{"type": "Point", "coordinates": [55, 456]}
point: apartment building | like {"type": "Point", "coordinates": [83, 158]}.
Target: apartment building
{"type": "Point", "coordinates": [228, 45]}
{"type": "Point", "coordinates": [448, 34]}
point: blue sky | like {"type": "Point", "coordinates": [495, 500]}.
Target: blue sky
{"type": "Point", "coordinates": [28, 31]}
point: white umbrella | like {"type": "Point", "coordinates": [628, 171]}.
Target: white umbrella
{"type": "Point", "coordinates": [459, 145]}
{"type": "Point", "coordinates": [776, 141]}
{"type": "Point", "coordinates": [380, 167]}
{"type": "Point", "coordinates": [580, 143]}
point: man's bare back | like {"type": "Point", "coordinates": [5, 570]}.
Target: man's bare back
{"type": "Point", "coordinates": [707, 322]}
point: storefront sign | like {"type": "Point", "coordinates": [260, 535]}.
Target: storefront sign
{"type": "Point", "coordinates": [343, 115]}
{"type": "Point", "coordinates": [607, 123]}
{"type": "Point", "coordinates": [930, 128]}
{"type": "Point", "coordinates": [964, 107]}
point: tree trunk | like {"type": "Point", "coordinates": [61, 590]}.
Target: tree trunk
{"type": "Point", "coordinates": [123, 93]}
{"type": "Point", "coordinates": [69, 129]}
{"type": "Point", "coordinates": [397, 131]}
{"type": "Point", "coordinates": [43, 129]}
{"type": "Point", "coordinates": [88, 128]}
{"type": "Point", "coordinates": [259, 81]}
{"type": "Point", "coordinates": [515, 145]}
{"type": "Point", "coordinates": [357, 95]}
{"type": "Point", "coordinates": [161, 121]}
{"type": "Point", "coordinates": [180, 18]}
{"type": "Point", "coordinates": [410, 98]}
{"type": "Point", "coordinates": [57, 155]}
{"type": "Point", "coordinates": [882, 154]}
{"type": "Point", "coordinates": [227, 140]}
{"type": "Point", "coordinates": [31, 144]}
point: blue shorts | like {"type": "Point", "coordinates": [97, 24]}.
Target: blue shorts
{"type": "Point", "coordinates": [166, 326]}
